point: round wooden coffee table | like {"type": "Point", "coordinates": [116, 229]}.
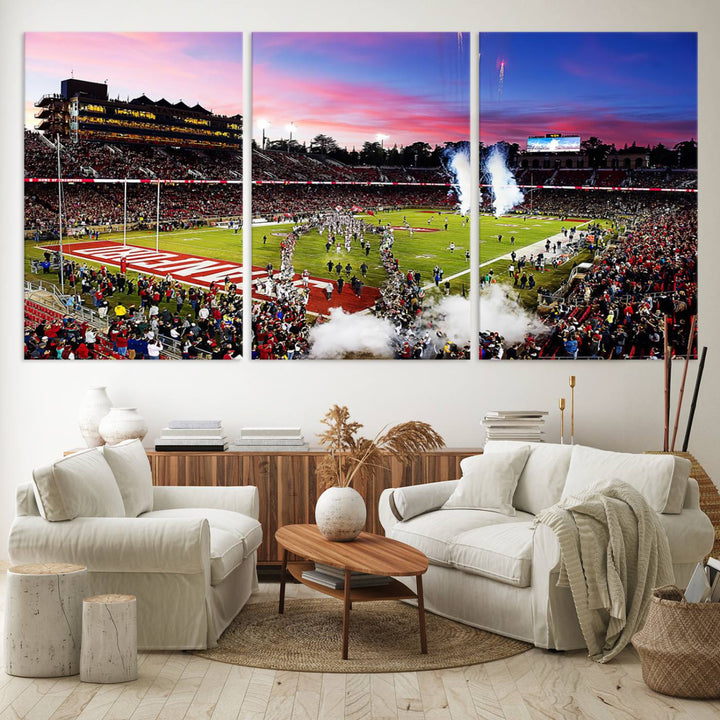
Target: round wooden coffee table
{"type": "Point", "coordinates": [368, 553]}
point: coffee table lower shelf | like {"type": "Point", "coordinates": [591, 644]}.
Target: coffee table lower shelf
{"type": "Point", "coordinates": [394, 590]}
{"type": "Point", "coordinates": [368, 553]}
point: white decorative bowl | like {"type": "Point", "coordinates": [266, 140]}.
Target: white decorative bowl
{"type": "Point", "coordinates": [122, 424]}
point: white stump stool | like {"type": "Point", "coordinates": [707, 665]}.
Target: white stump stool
{"type": "Point", "coordinates": [109, 639]}
{"type": "Point", "coordinates": [43, 619]}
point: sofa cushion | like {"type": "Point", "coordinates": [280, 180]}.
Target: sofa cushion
{"type": "Point", "coordinates": [660, 479]}
{"type": "Point", "coordinates": [227, 551]}
{"type": "Point", "coordinates": [501, 552]}
{"type": "Point", "coordinates": [411, 500]}
{"type": "Point", "coordinates": [542, 480]}
{"type": "Point", "coordinates": [79, 485]}
{"type": "Point", "coordinates": [488, 482]}
{"type": "Point", "coordinates": [242, 528]}
{"type": "Point", "coordinates": [131, 468]}
{"type": "Point", "coordinates": [434, 533]}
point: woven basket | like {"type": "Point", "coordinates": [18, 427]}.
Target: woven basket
{"type": "Point", "coordinates": [680, 646]}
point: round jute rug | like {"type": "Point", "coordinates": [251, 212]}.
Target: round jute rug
{"type": "Point", "coordinates": [384, 637]}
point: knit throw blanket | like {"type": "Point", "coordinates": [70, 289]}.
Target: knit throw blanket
{"type": "Point", "coordinates": [614, 552]}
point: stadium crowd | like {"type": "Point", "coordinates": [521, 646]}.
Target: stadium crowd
{"type": "Point", "coordinates": [616, 206]}
{"type": "Point", "coordinates": [103, 160]}
{"type": "Point", "coordinates": [617, 309]}
{"type": "Point", "coordinates": [141, 316]}
{"type": "Point", "coordinates": [91, 205]}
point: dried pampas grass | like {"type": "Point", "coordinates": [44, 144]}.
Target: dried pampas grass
{"type": "Point", "coordinates": [351, 457]}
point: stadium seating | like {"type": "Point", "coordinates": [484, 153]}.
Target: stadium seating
{"type": "Point", "coordinates": [610, 178]}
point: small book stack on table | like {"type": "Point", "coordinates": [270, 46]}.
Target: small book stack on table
{"type": "Point", "coordinates": [192, 435]}
{"type": "Point", "coordinates": [259, 439]}
{"type": "Point", "coordinates": [518, 425]}
{"type": "Point", "coordinates": [334, 577]}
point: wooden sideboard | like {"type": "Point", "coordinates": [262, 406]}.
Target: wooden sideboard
{"type": "Point", "coordinates": [286, 482]}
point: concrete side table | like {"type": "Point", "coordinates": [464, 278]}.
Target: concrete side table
{"type": "Point", "coordinates": [43, 619]}
{"type": "Point", "coordinates": [109, 639]}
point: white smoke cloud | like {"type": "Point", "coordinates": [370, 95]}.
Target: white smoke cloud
{"type": "Point", "coordinates": [458, 165]}
{"type": "Point", "coordinates": [506, 193]}
{"type": "Point", "coordinates": [498, 313]}
{"type": "Point", "coordinates": [362, 335]}
{"type": "Point", "coordinates": [352, 334]}
{"type": "Point", "coordinates": [450, 315]}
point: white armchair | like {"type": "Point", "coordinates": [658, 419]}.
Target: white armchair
{"type": "Point", "coordinates": [190, 560]}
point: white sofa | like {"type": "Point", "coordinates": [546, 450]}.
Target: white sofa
{"type": "Point", "coordinates": [492, 569]}
{"type": "Point", "coordinates": [187, 553]}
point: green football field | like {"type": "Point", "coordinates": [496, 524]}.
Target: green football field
{"type": "Point", "coordinates": [419, 252]}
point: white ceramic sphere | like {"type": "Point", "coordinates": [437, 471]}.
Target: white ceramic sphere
{"type": "Point", "coordinates": [340, 514]}
{"type": "Point", "coordinates": [122, 424]}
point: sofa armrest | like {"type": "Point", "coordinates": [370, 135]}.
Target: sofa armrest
{"type": "Point", "coordinates": [546, 551]}
{"type": "Point", "coordinates": [242, 499]}
{"type": "Point", "coordinates": [177, 545]}
{"type": "Point", "coordinates": [690, 535]}
{"type": "Point", "coordinates": [25, 502]}
{"type": "Point", "coordinates": [403, 503]}
{"type": "Point", "coordinates": [692, 495]}
{"type": "Point", "coordinates": [555, 622]}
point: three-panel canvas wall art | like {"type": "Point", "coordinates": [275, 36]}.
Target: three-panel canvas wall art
{"type": "Point", "coordinates": [363, 181]}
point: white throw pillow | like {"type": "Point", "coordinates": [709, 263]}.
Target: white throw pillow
{"type": "Point", "coordinates": [660, 479]}
{"type": "Point", "coordinates": [131, 468]}
{"type": "Point", "coordinates": [542, 480]}
{"type": "Point", "coordinates": [488, 482]}
{"type": "Point", "coordinates": [79, 485]}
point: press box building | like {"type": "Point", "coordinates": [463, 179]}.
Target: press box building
{"type": "Point", "coordinates": [83, 111]}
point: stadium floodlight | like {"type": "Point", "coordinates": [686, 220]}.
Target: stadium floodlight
{"type": "Point", "coordinates": [263, 125]}
{"type": "Point", "coordinates": [381, 138]}
{"type": "Point", "coordinates": [291, 128]}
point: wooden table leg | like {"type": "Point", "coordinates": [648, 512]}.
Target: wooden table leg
{"type": "Point", "coordinates": [283, 571]}
{"type": "Point", "coordinates": [421, 615]}
{"type": "Point", "coordinates": [346, 615]}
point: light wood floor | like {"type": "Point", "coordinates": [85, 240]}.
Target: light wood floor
{"type": "Point", "coordinates": [177, 686]}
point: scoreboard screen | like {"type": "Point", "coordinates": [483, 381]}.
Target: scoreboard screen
{"type": "Point", "coordinates": [564, 143]}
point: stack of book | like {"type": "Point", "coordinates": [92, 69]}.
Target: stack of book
{"type": "Point", "coordinates": [259, 439]}
{"type": "Point", "coordinates": [332, 577]}
{"type": "Point", "coordinates": [192, 435]}
{"type": "Point", "coordinates": [519, 425]}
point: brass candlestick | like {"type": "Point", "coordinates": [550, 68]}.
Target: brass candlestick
{"type": "Point", "coordinates": [561, 405]}
{"type": "Point", "coordinates": [572, 409]}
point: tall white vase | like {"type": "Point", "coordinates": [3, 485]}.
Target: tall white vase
{"type": "Point", "coordinates": [96, 404]}
{"type": "Point", "coordinates": [340, 513]}
{"type": "Point", "coordinates": [122, 424]}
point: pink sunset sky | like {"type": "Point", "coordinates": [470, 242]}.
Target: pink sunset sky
{"type": "Point", "coordinates": [193, 67]}
{"type": "Point", "coordinates": [407, 87]}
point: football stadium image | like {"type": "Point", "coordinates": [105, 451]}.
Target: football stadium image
{"type": "Point", "coordinates": [361, 200]}
{"type": "Point", "coordinates": [361, 236]}
{"type": "Point", "coordinates": [588, 234]}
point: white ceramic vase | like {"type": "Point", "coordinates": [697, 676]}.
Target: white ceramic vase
{"type": "Point", "coordinates": [95, 406]}
{"type": "Point", "coordinates": [340, 513]}
{"type": "Point", "coordinates": [122, 424]}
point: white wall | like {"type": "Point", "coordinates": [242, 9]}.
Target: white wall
{"type": "Point", "coordinates": [619, 404]}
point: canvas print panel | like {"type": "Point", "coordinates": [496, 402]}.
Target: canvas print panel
{"type": "Point", "coordinates": [360, 195]}
{"type": "Point", "coordinates": [588, 231]}
{"type": "Point", "coordinates": [133, 195]}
